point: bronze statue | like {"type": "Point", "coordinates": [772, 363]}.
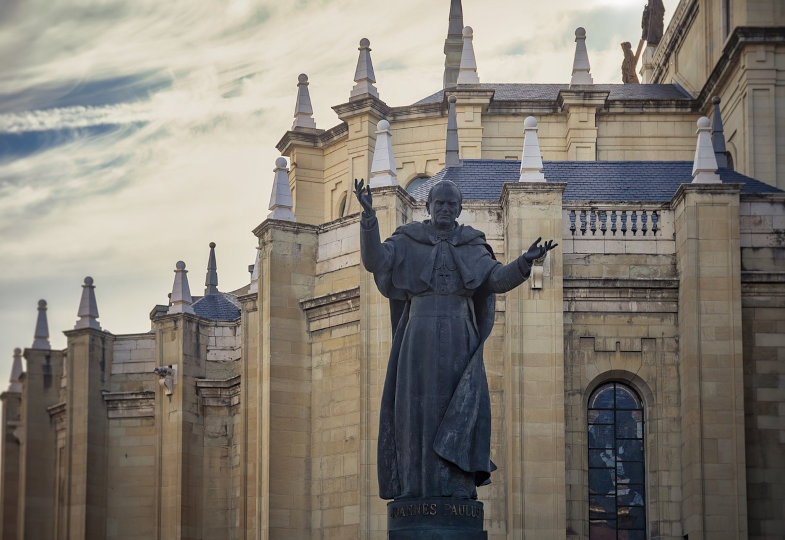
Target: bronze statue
{"type": "Point", "coordinates": [653, 21]}
{"type": "Point", "coordinates": [630, 62]}
{"type": "Point", "coordinates": [440, 278]}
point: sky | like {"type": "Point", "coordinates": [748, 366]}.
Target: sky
{"type": "Point", "coordinates": [133, 134]}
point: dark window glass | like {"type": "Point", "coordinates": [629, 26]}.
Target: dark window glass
{"type": "Point", "coordinates": [600, 416]}
{"type": "Point", "coordinates": [617, 504]}
{"type": "Point", "coordinates": [630, 450]}
{"type": "Point", "coordinates": [601, 436]}
{"type": "Point", "coordinates": [602, 399]}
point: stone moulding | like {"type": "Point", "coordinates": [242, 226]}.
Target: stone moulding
{"type": "Point", "coordinates": [673, 36]}
{"type": "Point", "coordinates": [315, 138]}
{"type": "Point", "coordinates": [219, 392]}
{"type": "Point", "coordinates": [129, 404]}
{"type": "Point", "coordinates": [332, 310]}
{"type": "Point", "coordinates": [646, 295]}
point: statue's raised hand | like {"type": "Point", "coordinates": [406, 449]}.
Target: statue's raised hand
{"type": "Point", "coordinates": [364, 197]}
{"type": "Point", "coordinates": [537, 251]}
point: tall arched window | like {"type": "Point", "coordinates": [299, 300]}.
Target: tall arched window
{"type": "Point", "coordinates": [617, 503]}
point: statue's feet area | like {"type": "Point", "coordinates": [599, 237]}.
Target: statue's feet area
{"type": "Point", "coordinates": [436, 518]}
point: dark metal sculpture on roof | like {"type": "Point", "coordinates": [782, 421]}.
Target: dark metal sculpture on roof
{"type": "Point", "coordinates": [653, 22]}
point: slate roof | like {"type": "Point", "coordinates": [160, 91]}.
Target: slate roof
{"type": "Point", "coordinates": [550, 92]}
{"type": "Point", "coordinates": [643, 181]}
{"type": "Point", "coordinates": [218, 307]}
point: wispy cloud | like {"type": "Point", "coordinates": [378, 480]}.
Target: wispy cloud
{"type": "Point", "coordinates": [133, 133]}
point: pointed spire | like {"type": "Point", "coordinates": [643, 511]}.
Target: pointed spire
{"type": "Point", "coordinates": [704, 168]}
{"type": "Point", "coordinates": [383, 165]}
{"type": "Point", "coordinates": [181, 292]}
{"type": "Point", "coordinates": [211, 279]}
{"type": "Point", "coordinates": [580, 65]}
{"type": "Point", "coordinates": [468, 71]}
{"type": "Point", "coordinates": [281, 197]}
{"type": "Point", "coordinates": [255, 272]}
{"type": "Point", "coordinates": [363, 75]}
{"type": "Point", "coordinates": [88, 308]}
{"type": "Point", "coordinates": [531, 159]}
{"type": "Point", "coordinates": [16, 372]}
{"type": "Point", "coordinates": [718, 136]}
{"type": "Point", "coordinates": [303, 112]}
{"type": "Point", "coordinates": [451, 158]}
{"type": "Point", "coordinates": [41, 337]}
{"type": "Point", "coordinates": [453, 45]}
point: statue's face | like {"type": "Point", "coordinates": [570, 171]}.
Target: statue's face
{"type": "Point", "coordinates": [445, 207]}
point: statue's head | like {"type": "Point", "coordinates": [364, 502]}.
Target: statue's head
{"type": "Point", "coordinates": [626, 46]}
{"type": "Point", "coordinates": [444, 204]}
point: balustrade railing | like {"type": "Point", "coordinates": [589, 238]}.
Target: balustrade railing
{"type": "Point", "coordinates": [614, 222]}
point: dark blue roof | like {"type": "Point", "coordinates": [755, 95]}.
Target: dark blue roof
{"type": "Point", "coordinates": [550, 92]}
{"type": "Point", "coordinates": [218, 307]}
{"type": "Point", "coordinates": [644, 181]}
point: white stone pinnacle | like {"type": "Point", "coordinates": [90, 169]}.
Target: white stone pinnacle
{"type": "Point", "coordinates": [580, 65]}
{"type": "Point", "coordinates": [704, 167]}
{"type": "Point", "coordinates": [468, 71]}
{"type": "Point", "coordinates": [363, 75]}
{"type": "Point", "coordinates": [303, 112]}
{"type": "Point", "coordinates": [281, 204]}
{"type": "Point", "coordinates": [16, 372]}
{"type": "Point", "coordinates": [383, 165]}
{"type": "Point", "coordinates": [41, 336]}
{"type": "Point", "coordinates": [531, 159]}
{"type": "Point", "coordinates": [181, 299]}
{"type": "Point", "coordinates": [255, 273]}
{"type": "Point", "coordinates": [88, 308]}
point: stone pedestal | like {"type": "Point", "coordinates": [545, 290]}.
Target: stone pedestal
{"type": "Point", "coordinates": [437, 518]}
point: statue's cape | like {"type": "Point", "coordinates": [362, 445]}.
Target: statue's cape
{"type": "Point", "coordinates": [463, 437]}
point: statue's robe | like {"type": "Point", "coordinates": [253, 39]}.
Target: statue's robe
{"type": "Point", "coordinates": [435, 419]}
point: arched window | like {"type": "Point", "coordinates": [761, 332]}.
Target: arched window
{"type": "Point", "coordinates": [342, 206]}
{"type": "Point", "coordinates": [617, 503]}
{"type": "Point", "coordinates": [415, 183]}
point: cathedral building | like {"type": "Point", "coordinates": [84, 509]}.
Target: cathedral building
{"type": "Point", "coordinates": [637, 379]}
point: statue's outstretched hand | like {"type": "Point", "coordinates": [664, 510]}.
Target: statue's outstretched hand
{"type": "Point", "coordinates": [537, 251]}
{"type": "Point", "coordinates": [364, 197]}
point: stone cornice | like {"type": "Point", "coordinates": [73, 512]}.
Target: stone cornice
{"type": "Point", "coordinates": [763, 197]}
{"type": "Point", "coordinates": [643, 106]}
{"type": "Point", "coordinates": [582, 96]}
{"type": "Point", "coordinates": [531, 187]}
{"type": "Point", "coordinates": [311, 138]}
{"type": "Point", "coordinates": [130, 404]}
{"type": "Point", "coordinates": [331, 298]}
{"type": "Point", "coordinates": [471, 94]}
{"type": "Point", "coordinates": [620, 283]}
{"type": "Point", "coordinates": [414, 112]}
{"type": "Point", "coordinates": [266, 226]}
{"type": "Point", "coordinates": [331, 310]}
{"type": "Point", "coordinates": [219, 392]}
{"type": "Point", "coordinates": [365, 105]}
{"type": "Point", "coordinates": [74, 332]}
{"type": "Point", "coordinates": [750, 276]}
{"type": "Point", "coordinates": [734, 45]}
{"type": "Point", "coordinates": [704, 189]}
{"type": "Point", "coordinates": [56, 410]}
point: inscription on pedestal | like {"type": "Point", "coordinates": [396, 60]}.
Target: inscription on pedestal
{"type": "Point", "coordinates": [435, 518]}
